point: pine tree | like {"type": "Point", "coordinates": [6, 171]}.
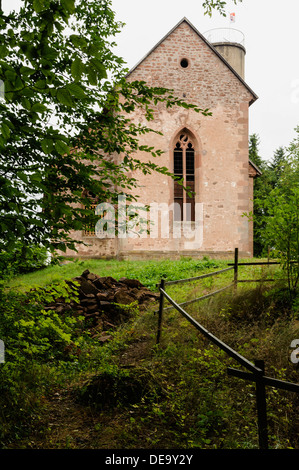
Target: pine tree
{"type": "Point", "coordinates": [276, 166]}
{"type": "Point", "coordinates": [260, 191]}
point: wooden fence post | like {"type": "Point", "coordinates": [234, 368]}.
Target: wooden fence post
{"type": "Point", "coordinates": [236, 269]}
{"type": "Point", "coordinates": [161, 304]}
{"type": "Point", "coordinates": [261, 406]}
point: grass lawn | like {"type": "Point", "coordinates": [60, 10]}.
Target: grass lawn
{"type": "Point", "coordinates": [148, 272]}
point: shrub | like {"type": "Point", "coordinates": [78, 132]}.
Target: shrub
{"type": "Point", "coordinates": [36, 343]}
{"type": "Point", "coordinates": [118, 387]}
{"type": "Point", "coordinates": [29, 331]}
{"type": "Point", "coordinates": [23, 259]}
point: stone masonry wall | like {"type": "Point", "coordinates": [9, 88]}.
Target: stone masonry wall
{"type": "Point", "coordinates": [223, 185]}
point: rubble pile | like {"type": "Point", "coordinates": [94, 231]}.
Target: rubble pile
{"type": "Point", "coordinates": [104, 301]}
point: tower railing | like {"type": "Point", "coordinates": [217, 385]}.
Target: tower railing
{"type": "Point", "coordinates": [226, 35]}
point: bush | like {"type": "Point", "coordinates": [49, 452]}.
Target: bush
{"type": "Point", "coordinates": [118, 387]}
{"type": "Point", "coordinates": [29, 331]}
{"type": "Point", "coordinates": [37, 342]}
{"type": "Point", "coordinates": [23, 259]}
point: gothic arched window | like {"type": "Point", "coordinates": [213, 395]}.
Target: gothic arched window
{"type": "Point", "coordinates": [184, 171]}
{"type": "Point", "coordinates": [89, 229]}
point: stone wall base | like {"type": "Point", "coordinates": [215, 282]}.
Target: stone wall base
{"type": "Point", "coordinates": [173, 255]}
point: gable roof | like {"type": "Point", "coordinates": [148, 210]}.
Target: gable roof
{"type": "Point", "coordinates": [255, 97]}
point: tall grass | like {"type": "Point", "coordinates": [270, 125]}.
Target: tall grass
{"type": "Point", "coordinates": [148, 272]}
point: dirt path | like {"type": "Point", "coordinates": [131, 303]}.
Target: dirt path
{"type": "Point", "coordinates": [66, 424]}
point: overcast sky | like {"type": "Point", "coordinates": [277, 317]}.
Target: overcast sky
{"type": "Point", "coordinates": [271, 62]}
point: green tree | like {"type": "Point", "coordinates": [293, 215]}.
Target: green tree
{"type": "Point", "coordinates": [260, 192]}
{"type": "Point", "coordinates": [281, 215]}
{"type": "Point", "coordinates": [276, 166]}
{"type": "Point", "coordinates": [67, 107]}
{"type": "Point", "coordinates": [282, 231]}
{"type": "Point", "coordinates": [254, 153]}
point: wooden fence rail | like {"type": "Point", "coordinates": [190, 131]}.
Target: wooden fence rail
{"type": "Point", "coordinates": [197, 278]}
{"type": "Point", "coordinates": [256, 370]}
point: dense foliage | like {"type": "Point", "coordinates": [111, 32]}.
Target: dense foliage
{"type": "Point", "coordinates": [35, 340]}
{"type": "Point", "coordinates": [276, 207]}
{"type": "Point", "coordinates": [23, 259]}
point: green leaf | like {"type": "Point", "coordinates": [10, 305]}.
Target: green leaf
{"type": "Point", "coordinates": [92, 76]}
{"type": "Point", "coordinates": [18, 85]}
{"type": "Point", "coordinates": [77, 68]}
{"type": "Point", "coordinates": [47, 145]}
{"type": "Point", "coordinates": [48, 53]}
{"type": "Point", "coordinates": [78, 41]}
{"type": "Point", "coordinates": [23, 177]}
{"type": "Point", "coordinates": [64, 97]}
{"type": "Point", "coordinates": [41, 84]}
{"type": "Point", "coordinates": [5, 131]}
{"type": "Point", "coordinates": [76, 91]}
{"type": "Point", "coordinates": [27, 70]}
{"type": "Point", "coordinates": [97, 64]}
{"type": "Point", "coordinates": [28, 49]}
{"type": "Point", "coordinates": [11, 75]}
{"type": "Point", "coordinates": [3, 51]}
{"type": "Point", "coordinates": [39, 108]}
{"type": "Point", "coordinates": [68, 5]}
{"type": "Point", "coordinates": [95, 50]}
{"type": "Point", "coordinates": [26, 103]}
{"type": "Point", "coordinates": [61, 147]}
{"type": "Point", "coordinates": [38, 5]}
{"type": "Point", "coordinates": [35, 178]}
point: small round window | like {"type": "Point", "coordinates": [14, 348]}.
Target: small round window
{"type": "Point", "coordinates": [184, 63]}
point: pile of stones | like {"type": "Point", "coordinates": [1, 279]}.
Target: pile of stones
{"type": "Point", "coordinates": [105, 302]}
